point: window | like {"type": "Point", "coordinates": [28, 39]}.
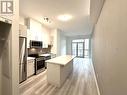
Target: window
{"type": "Point", "coordinates": [80, 48]}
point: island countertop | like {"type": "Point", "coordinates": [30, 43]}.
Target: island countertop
{"type": "Point", "coordinates": [61, 60]}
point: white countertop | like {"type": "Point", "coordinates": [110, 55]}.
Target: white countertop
{"type": "Point", "coordinates": [61, 60]}
{"type": "Point", "coordinates": [45, 54]}
{"type": "Point", "coordinates": [30, 58]}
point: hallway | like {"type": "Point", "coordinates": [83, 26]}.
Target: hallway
{"type": "Point", "coordinates": [81, 82]}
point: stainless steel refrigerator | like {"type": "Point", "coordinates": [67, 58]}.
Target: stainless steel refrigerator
{"type": "Point", "coordinates": [23, 59]}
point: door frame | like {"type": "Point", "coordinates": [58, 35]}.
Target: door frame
{"type": "Point", "coordinates": [77, 48]}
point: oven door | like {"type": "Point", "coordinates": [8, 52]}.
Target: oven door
{"type": "Point", "coordinates": [39, 65]}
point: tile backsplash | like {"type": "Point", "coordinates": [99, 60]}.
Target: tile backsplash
{"type": "Point", "coordinates": [39, 50]}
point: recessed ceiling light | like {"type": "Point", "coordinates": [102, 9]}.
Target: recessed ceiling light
{"type": "Point", "coordinates": [64, 17]}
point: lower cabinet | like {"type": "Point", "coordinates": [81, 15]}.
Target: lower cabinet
{"type": "Point", "coordinates": [30, 67]}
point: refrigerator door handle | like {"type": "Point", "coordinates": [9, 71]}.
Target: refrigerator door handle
{"type": "Point", "coordinates": [24, 68]}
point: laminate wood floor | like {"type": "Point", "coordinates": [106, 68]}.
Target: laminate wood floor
{"type": "Point", "coordinates": [80, 82]}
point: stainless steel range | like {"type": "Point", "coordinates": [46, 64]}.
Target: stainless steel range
{"type": "Point", "coordinates": [40, 64]}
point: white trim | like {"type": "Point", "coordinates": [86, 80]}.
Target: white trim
{"type": "Point", "coordinates": [95, 78]}
{"type": "Point", "coordinates": [5, 20]}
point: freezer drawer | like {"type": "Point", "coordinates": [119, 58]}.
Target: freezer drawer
{"type": "Point", "coordinates": [22, 72]}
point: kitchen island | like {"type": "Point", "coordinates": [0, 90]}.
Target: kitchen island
{"type": "Point", "coordinates": [58, 69]}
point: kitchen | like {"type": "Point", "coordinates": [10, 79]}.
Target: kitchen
{"type": "Point", "coordinates": [55, 42]}
{"type": "Point", "coordinates": [44, 48]}
{"type": "Point", "coordinates": [37, 47]}
{"type": "Point", "coordinates": [33, 51]}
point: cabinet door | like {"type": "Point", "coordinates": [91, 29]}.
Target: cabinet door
{"type": "Point", "coordinates": [45, 45]}
{"type": "Point", "coordinates": [30, 68]}
{"type": "Point", "coordinates": [22, 30]}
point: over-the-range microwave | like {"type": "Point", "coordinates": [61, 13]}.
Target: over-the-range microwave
{"type": "Point", "coordinates": [36, 44]}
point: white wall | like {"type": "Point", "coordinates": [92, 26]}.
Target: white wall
{"type": "Point", "coordinates": [69, 42]}
{"type": "Point", "coordinates": [110, 48]}
{"type": "Point", "coordinates": [45, 36]}
{"type": "Point", "coordinates": [58, 40]}
{"type": "Point", "coordinates": [21, 20]}
{"type": "Point", "coordinates": [62, 44]}
{"type": "Point", "coordinates": [95, 10]}
{"type": "Point", "coordinates": [53, 36]}
{"type": "Point", "coordinates": [13, 81]}
{"type": "Point", "coordinates": [69, 45]}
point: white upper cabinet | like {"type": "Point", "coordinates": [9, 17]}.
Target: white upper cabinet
{"type": "Point", "coordinates": [36, 31]}
{"type": "Point", "coordinates": [22, 30]}
{"type": "Point", "coordinates": [45, 45]}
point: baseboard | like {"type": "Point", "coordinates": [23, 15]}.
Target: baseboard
{"type": "Point", "coordinates": [95, 78]}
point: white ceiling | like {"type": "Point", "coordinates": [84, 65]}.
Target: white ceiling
{"type": "Point", "coordinates": [79, 9]}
